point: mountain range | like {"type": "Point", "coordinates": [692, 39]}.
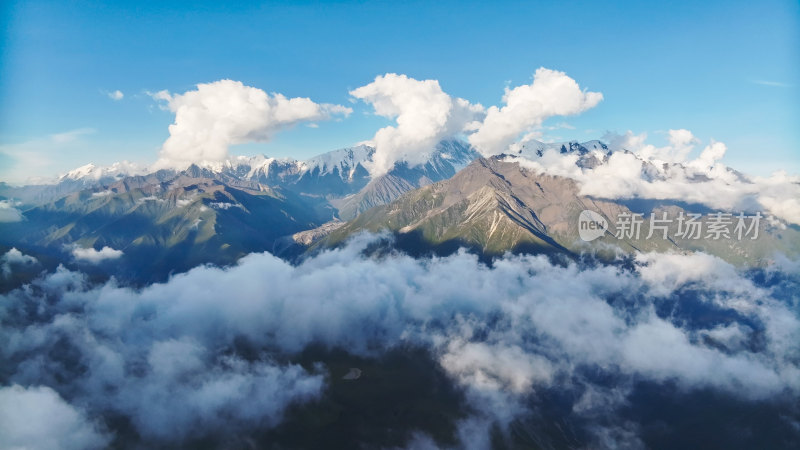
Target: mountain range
{"type": "Point", "coordinates": [494, 206]}
{"type": "Point", "coordinates": [168, 221]}
{"type": "Point", "coordinates": [406, 346]}
{"type": "Point", "coordinates": [171, 220]}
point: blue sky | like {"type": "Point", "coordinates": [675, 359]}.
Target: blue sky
{"type": "Point", "coordinates": [725, 70]}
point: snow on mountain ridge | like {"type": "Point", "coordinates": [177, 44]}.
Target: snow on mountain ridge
{"type": "Point", "coordinates": [91, 172]}
{"type": "Point", "coordinates": [344, 161]}
{"type": "Point", "coordinates": [536, 148]}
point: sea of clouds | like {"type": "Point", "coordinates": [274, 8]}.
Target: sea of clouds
{"type": "Point", "coordinates": [164, 359]}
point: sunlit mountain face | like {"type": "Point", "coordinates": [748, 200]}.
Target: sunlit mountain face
{"type": "Point", "coordinates": [241, 227]}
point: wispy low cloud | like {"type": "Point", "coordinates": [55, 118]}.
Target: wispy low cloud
{"type": "Point", "coordinates": [772, 83]}
{"type": "Point", "coordinates": [40, 155]}
{"type": "Point", "coordinates": [96, 256]}
{"type": "Point", "coordinates": [14, 258]}
{"type": "Point", "coordinates": [9, 212]}
{"type": "Point", "coordinates": [72, 135]}
{"type": "Point", "coordinates": [167, 357]}
{"type": "Point", "coordinates": [116, 95]}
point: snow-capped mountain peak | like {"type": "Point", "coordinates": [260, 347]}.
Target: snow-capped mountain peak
{"type": "Point", "coordinates": [533, 148]}
{"type": "Point", "coordinates": [81, 172]}
{"type": "Point", "coordinates": [344, 161]}
{"type": "Point", "coordinates": [91, 172]}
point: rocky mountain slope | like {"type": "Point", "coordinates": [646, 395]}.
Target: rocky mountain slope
{"type": "Point", "coordinates": [172, 220]}
{"type": "Point", "coordinates": [161, 227]}
{"type": "Point", "coordinates": [494, 205]}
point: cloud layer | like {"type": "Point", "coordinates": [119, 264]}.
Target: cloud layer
{"type": "Point", "coordinates": [38, 418]}
{"type": "Point", "coordinates": [216, 115]}
{"type": "Point", "coordinates": [165, 356]}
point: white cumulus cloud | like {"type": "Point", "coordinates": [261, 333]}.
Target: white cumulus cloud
{"type": "Point", "coordinates": [681, 144]}
{"type": "Point", "coordinates": [116, 95]}
{"type": "Point", "coordinates": [95, 256]}
{"type": "Point", "coordinates": [424, 113]}
{"type": "Point", "coordinates": [552, 93]}
{"type": "Point", "coordinates": [211, 118]}
{"type": "Point", "coordinates": [14, 257]}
